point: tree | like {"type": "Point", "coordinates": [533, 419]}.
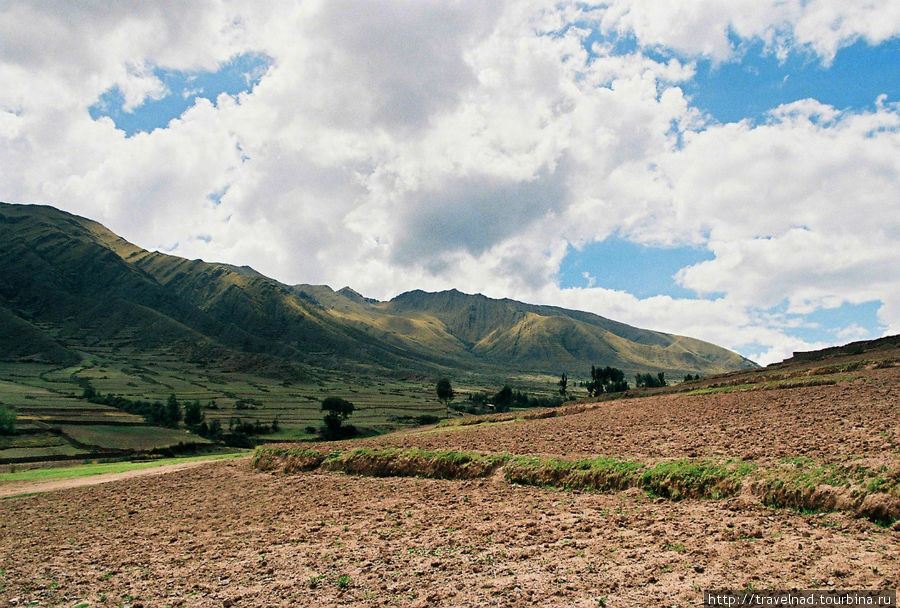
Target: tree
{"type": "Point", "coordinates": [651, 381]}
{"type": "Point", "coordinates": [503, 399]}
{"type": "Point", "coordinates": [173, 411]}
{"type": "Point", "coordinates": [444, 391]}
{"type": "Point", "coordinates": [606, 380]}
{"type": "Point", "coordinates": [337, 410]}
{"type": "Point", "coordinates": [563, 383]}
{"type": "Point", "coordinates": [215, 430]}
{"type": "Point", "coordinates": [193, 414]}
{"type": "Point", "coordinates": [7, 420]}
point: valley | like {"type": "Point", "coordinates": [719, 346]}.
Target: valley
{"type": "Point", "coordinates": [87, 317]}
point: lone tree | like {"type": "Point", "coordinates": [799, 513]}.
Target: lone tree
{"type": "Point", "coordinates": [337, 410]}
{"type": "Point", "coordinates": [444, 391]}
{"type": "Point", "coordinates": [193, 414]}
{"type": "Point", "coordinates": [563, 383]}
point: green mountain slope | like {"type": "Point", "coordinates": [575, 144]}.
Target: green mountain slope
{"type": "Point", "coordinates": [513, 333]}
{"type": "Point", "coordinates": [67, 282]}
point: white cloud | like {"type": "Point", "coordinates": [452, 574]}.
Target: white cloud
{"type": "Point", "coordinates": [717, 28]}
{"type": "Point", "coordinates": [853, 332]}
{"type": "Point", "coordinates": [435, 145]}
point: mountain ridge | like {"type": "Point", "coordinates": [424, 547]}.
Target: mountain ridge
{"type": "Point", "coordinates": [68, 282]}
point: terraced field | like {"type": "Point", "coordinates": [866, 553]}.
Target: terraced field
{"type": "Point", "coordinates": [47, 398]}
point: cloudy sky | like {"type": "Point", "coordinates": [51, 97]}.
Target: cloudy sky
{"type": "Point", "coordinates": [725, 169]}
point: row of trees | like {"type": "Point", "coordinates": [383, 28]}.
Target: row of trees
{"type": "Point", "coordinates": [650, 381]}
{"type": "Point", "coordinates": [603, 380]}
{"type": "Point", "coordinates": [501, 401]}
{"type": "Point", "coordinates": [171, 413]}
{"type": "Point", "coordinates": [167, 414]}
{"type": "Point", "coordinates": [606, 380]}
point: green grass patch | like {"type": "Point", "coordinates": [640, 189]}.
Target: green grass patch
{"type": "Point", "coordinates": [31, 440]}
{"type": "Point", "coordinates": [598, 474]}
{"type": "Point", "coordinates": [687, 478]}
{"type": "Point", "coordinates": [790, 381]}
{"type": "Point", "coordinates": [391, 462]}
{"type": "Point", "coordinates": [42, 452]}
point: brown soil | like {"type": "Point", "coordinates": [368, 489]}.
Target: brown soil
{"type": "Point", "coordinates": [853, 420]}
{"type": "Point", "coordinates": [225, 535]}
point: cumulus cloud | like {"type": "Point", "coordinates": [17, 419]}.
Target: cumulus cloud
{"type": "Point", "coordinates": [718, 28]}
{"type": "Point", "coordinates": [468, 144]}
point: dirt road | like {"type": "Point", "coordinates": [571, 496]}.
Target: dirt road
{"type": "Point", "coordinates": [17, 488]}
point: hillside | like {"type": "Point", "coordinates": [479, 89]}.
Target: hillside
{"type": "Point", "coordinates": [67, 284]}
{"type": "Point", "coordinates": [514, 333]}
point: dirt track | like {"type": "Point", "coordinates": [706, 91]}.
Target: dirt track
{"type": "Point", "coordinates": [16, 488]}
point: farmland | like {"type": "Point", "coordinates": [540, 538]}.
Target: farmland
{"type": "Point", "coordinates": [56, 422]}
{"type": "Point", "coordinates": [782, 481]}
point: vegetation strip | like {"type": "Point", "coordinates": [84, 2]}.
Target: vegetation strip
{"type": "Point", "coordinates": [797, 483]}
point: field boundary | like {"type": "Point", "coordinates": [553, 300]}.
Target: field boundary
{"type": "Point", "coordinates": [802, 485]}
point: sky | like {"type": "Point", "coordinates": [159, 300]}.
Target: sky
{"type": "Point", "coordinates": [723, 169]}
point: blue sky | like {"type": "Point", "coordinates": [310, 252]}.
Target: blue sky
{"type": "Point", "coordinates": [618, 263]}
{"type": "Point", "coordinates": [627, 159]}
{"type": "Point", "coordinates": [748, 89]}
{"type": "Point", "coordinates": [182, 90]}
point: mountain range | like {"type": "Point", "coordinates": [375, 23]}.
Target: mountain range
{"type": "Point", "coordinates": [68, 284]}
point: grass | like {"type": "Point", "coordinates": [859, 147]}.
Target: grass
{"type": "Point", "coordinates": [688, 478]}
{"type": "Point", "coordinates": [47, 396]}
{"type": "Point", "coordinates": [796, 483]}
{"type": "Point", "coordinates": [130, 437]}
{"type": "Point", "coordinates": [48, 452]}
{"type": "Point", "coordinates": [788, 381]}
{"type": "Point", "coordinates": [43, 394]}
{"type": "Point", "coordinates": [599, 474]}
{"type": "Point", "coordinates": [106, 467]}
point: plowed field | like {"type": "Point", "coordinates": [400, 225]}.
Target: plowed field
{"type": "Point", "coordinates": [226, 534]}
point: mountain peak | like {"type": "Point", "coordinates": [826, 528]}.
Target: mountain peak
{"type": "Point", "coordinates": [351, 294]}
